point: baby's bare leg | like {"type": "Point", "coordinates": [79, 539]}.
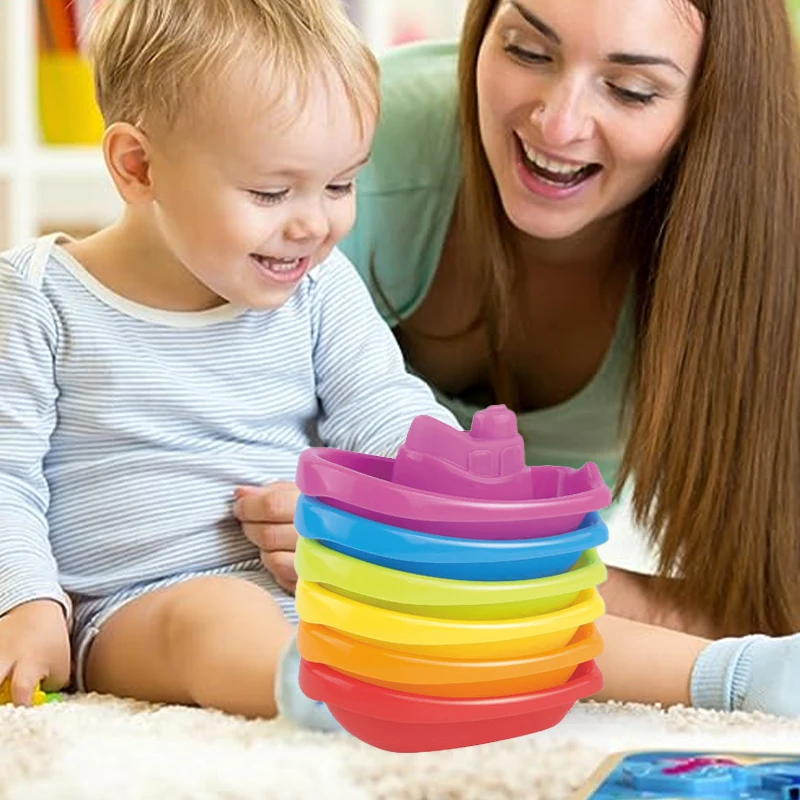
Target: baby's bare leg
{"type": "Point", "coordinates": [210, 641]}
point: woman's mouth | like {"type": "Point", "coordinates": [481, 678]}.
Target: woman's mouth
{"type": "Point", "coordinates": [552, 172]}
{"type": "Point", "coordinates": [281, 270]}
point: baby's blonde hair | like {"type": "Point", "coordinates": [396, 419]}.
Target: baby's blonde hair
{"type": "Point", "coordinates": [158, 57]}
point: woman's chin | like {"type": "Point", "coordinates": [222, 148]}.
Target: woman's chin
{"type": "Point", "coordinates": [549, 226]}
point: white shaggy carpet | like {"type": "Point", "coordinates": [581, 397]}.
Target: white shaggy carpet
{"type": "Point", "coordinates": [97, 748]}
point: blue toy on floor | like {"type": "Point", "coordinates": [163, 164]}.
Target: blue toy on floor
{"type": "Point", "coordinates": [683, 775]}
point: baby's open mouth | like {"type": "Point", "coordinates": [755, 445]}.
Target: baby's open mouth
{"type": "Point", "coordinates": [281, 269]}
{"type": "Point", "coordinates": [277, 264]}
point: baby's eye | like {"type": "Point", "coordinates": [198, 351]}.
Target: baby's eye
{"type": "Point", "coordinates": [269, 198]}
{"type": "Point", "coordinates": [340, 189]}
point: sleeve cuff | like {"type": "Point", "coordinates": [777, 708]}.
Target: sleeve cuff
{"type": "Point", "coordinates": [57, 596]}
{"type": "Point", "coordinates": [717, 675]}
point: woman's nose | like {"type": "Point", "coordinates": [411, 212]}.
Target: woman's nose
{"type": "Point", "coordinates": [563, 116]}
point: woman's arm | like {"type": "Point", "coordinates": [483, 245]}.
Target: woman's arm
{"type": "Point", "coordinates": [645, 663]}
{"type": "Point", "coordinates": [648, 664]}
{"type": "Point", "coordinates": [632, 595]}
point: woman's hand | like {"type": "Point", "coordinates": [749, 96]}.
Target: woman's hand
{"type": "Point", "coordinates": [267, 517]}
{"type": "Point", "coordinates": [34, 647]}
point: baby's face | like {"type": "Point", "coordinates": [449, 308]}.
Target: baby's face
{"type": "Point", "coordinates": [262, 189]}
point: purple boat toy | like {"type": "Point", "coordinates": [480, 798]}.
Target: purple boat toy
{"type": "Point", "coordinates": [468, 484]}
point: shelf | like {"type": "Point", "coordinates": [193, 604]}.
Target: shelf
{"type": "Point", "coordinates": [85, 162]}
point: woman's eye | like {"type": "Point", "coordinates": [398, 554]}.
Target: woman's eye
{"type": "Point", "coordinates": [630, 97]}
{"type": "Point", "coordinates": [268, 198]}
{"type": "Point", "coordinates": [526, 56]}
{"type": "Point", "coordinates": [341, 189]}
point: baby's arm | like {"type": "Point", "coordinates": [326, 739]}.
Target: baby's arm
{"type": "Point", "coordinates": [368, 398]}
{"type": "Point", "coordinates": [28, 393]}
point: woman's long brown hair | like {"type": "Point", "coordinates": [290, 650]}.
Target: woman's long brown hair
{"type": "Point", "coordinates": [712, 422]}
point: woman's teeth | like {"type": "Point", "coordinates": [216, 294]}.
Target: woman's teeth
{"type": "Point", "coordinates": [553, 171]}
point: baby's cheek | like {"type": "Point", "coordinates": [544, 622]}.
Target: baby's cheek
{"type": "Point", "coordinates": [324, 251]}
{"type": "Point", "coordinates": [342, 223]}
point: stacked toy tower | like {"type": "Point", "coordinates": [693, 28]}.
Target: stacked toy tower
{"type": "Point", "coordinates": [447, 597]}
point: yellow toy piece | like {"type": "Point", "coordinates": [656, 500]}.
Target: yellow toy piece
{"type": "Point", "coordinates": [39, 697]}
{"type": "Point", "coordinates": [446, 638]}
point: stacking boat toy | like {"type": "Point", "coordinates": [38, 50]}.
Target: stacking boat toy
{"type": "Point", "coordinates": [447, 597]}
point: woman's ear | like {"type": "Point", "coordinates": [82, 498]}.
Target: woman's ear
{"type": "Point", "coordinates": [127, 154]}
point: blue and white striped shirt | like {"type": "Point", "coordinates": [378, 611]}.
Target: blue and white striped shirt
{"type": "Point", "coordinates": [124, 429]}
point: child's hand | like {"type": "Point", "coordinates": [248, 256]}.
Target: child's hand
{"type": "Point", "coordinates": [267, 517]}
{"type": "Point", "coordinates": [34, 646]}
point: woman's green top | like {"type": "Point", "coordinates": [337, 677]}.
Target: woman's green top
{"type": "Point", "coordinates": [406, 198]}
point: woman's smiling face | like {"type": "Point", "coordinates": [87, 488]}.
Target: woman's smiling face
{"type": "Point", "coordinates": [580, 102]}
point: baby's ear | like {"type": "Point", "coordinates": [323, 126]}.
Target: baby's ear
{"type": "Point", "coordinates": [126, 150]}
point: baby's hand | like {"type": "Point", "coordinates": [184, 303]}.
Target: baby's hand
{"type": "Point", "coordinates": [34, 646]}
{"type": "Point", "coordinates": [267, 517]}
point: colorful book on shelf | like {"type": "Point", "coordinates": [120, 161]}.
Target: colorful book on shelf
{"type": "Point", "coordinates": [57, 26]}
{"type": "Point", "coordinates": [61, 23]}
{"type": "Point", "coordinates": [68, 113]}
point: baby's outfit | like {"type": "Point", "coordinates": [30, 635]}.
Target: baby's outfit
{"type": "Point", "coordinates": [124, 430]}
